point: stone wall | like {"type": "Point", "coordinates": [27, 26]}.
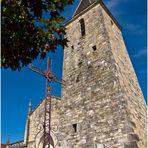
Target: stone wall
{"type": "Point", "coordinates": [135, 104]}
{"type": "Point", "coordinates": [35, 132]}
{"type": "Point", "coordinates": [93, 99]}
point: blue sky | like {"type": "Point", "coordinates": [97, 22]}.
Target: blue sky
{"type": "Point", "coordinates": [19, 87]}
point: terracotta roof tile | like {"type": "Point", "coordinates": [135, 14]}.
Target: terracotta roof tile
{"type": "Point", "coordinates": [3, 145]}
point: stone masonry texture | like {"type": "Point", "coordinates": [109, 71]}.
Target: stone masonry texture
{"type": "Point", "coordinates": [102, 105]}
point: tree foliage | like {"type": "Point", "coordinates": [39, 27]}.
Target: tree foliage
{"type": "Point", "coordinates": [30, 28]}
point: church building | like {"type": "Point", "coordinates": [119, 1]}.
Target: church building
{"type": "Point", "coordinates": [102, 105]}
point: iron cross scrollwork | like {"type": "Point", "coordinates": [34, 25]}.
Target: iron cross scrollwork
{"type": "Point", "coordinates": [46, 138]}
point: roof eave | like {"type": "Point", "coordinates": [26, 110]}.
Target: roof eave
{"type": "Point", "coordinates": [91, 6]}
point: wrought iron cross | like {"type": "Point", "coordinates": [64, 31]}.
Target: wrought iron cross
{"type": "Point", "coordinates": [49, 76]}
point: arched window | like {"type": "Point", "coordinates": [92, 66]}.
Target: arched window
{"type": "Point", "coordinates": [82, 23]}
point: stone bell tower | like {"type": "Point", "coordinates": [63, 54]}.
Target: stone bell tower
{"type": "Point", "coordinates": [102, 105]}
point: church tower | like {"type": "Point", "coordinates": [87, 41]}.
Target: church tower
{"type": "Point", "coordinates": [102, 105]}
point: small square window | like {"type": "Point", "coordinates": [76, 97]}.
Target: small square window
{"type": "Point", "coordinates": [74, 128]}
{"type": "Point", "coordinates": [94, 48]}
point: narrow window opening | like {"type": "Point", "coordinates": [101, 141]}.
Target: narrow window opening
{"type": "Point", "coordinates": [72, 48]}
{"type": "Point", "coordinates": [112, 23]}
{"type": "Point", "coordinates": [74, 127]}
{"type": "Point", "coordinates": [78, 78]}
{"type": "Point", "coordinates": [94, 48]}
{"type": "Point", "coordinates": [82, 23]}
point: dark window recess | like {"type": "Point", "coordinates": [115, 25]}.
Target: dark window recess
{"type": "Point", "coordinates": [79, 76]}
{"type": "Point", "coordinates": [72, 48]}
{"type": "Point", "coordinates": [112, 23]}
{"type": "Point", "coordinates": [94, 48]}
{"type": "Point", "coordinates": [80, 63]}
{"type": "Point", "coordinates": [82, 23]}
{"type": "Point", "coordinates": [78, 79]}
{"type": "Point", "coordinates": [74, 127]}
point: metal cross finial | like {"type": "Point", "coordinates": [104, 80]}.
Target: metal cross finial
{"type": "Point", "coordinates": [8, 140]}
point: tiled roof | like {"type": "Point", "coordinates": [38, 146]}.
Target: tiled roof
{"type": "Point", "coordinates": [18, 144]}
{"type": "Point", "coordinates": [3, 145]}
{"type": "Point", "coordinates": [83, 5]}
